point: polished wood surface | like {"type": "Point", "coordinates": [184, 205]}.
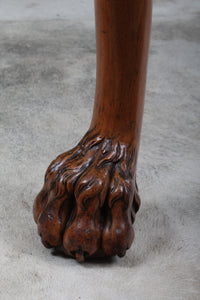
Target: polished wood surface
{"type": "Point", "coordinates": [122, 35]}
{"type": "Point", "coordinates": [89, 199]}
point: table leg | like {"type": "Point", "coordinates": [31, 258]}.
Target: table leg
{"type": "Point", "coordinates": [89, 199]}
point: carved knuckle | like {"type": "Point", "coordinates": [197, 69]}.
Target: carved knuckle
{"type": "Point", "coordinates": [88, 186]}
{"type": "Point", "coordinates": [119, 190]}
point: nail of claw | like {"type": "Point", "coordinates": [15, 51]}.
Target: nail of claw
{"type": "Point", "coordinates": [79, 256]}
{"type": "Point", "coordinates": [122, 253]}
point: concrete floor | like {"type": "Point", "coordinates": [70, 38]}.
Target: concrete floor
{"type": "Point", "coordinates": [47, 82]}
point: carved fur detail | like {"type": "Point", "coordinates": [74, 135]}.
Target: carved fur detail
{"type": "Point", "coordinates": [89, 198]}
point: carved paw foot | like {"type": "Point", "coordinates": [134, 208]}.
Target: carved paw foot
{"type": "Point", "coordinates": [89, 199]}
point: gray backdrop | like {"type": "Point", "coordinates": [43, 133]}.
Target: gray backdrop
{"type": "Point", "coordinates": [47, 84]}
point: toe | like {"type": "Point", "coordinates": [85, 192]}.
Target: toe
{"type": "Point", "coordinates": [82, 238]}
{"type": "Point", "coordinates": [118, 233]}
{"type": "Point", "coordinates": [52, 220]}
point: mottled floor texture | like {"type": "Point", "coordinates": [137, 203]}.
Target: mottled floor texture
{"type": "Point", "coordinates": [47, 83]}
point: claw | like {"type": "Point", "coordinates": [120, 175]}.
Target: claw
{"type": "Point", "coordinates": [80, 256]}
{"type": "Point", "coordinates": [121, 253]}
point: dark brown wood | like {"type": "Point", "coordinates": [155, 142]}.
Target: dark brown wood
{"type": "Point", "coordinates": [89, 199]}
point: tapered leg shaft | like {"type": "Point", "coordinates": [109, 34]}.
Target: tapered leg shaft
{"type": "Point", "coordinates": [122, 35]}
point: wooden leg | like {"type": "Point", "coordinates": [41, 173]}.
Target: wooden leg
{"type": "Point", "coordinates": [89, 199]}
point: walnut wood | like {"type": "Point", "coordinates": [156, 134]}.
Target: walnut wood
{"type": "Point", "coordinates": [89, 199]}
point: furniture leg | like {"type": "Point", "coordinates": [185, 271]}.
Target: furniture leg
{"type": "Point", "coordinates": [89, 199]}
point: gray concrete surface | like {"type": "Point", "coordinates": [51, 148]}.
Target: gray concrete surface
{"type": "Point", "coordinates": [47, 83]}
